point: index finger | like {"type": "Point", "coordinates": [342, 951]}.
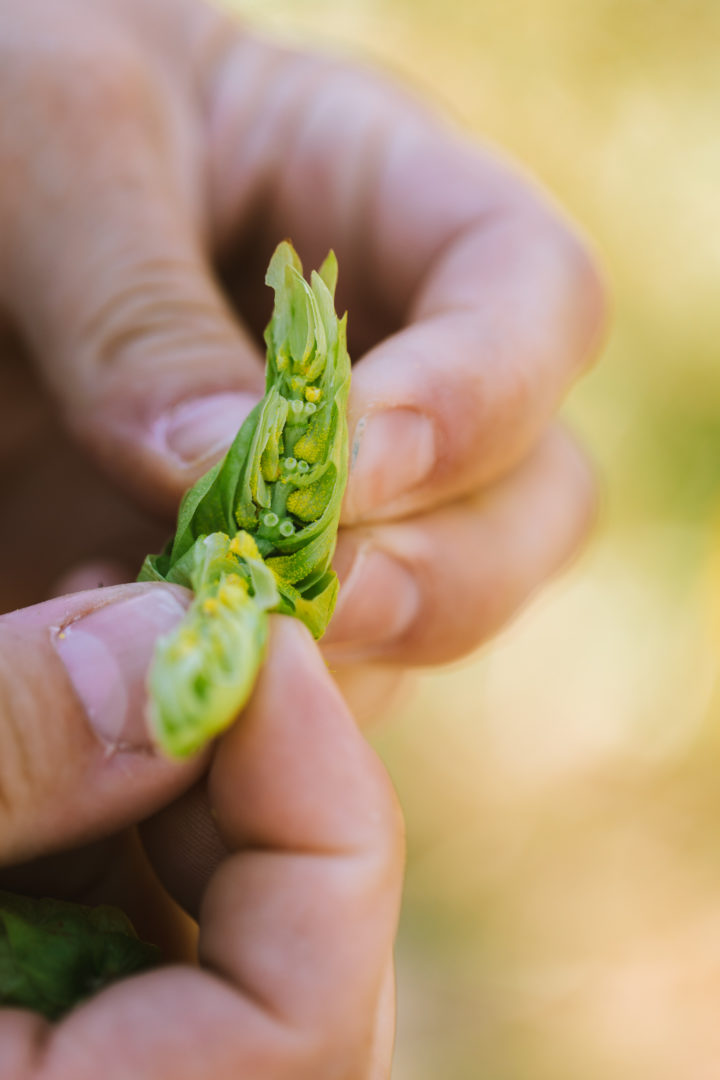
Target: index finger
{"type": "Point", "coordinates": [498, 302]}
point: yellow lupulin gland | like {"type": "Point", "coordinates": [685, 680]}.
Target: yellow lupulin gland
{"type": "Point", "coordinates": [230, 594]}
{"type": "Point", "coordinates": [313, 394]}
{"type": "Point", "coordinates": [243, 545]}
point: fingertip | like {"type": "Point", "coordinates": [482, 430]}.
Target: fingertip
{"type": "Point", "coordinates": [292, 644]}
{"type": "Point", "coordinates": [106, 653]}
{"type": "Point", "coordinates": [73, 733]}
{"type": "Point", "coordinates": [295, 674]}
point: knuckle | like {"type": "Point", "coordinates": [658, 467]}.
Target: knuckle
{"type": "Point", "coordinates": [152, 309]}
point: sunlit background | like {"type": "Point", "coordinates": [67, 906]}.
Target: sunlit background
{"type": "Point", "coordinates": [562, 789]}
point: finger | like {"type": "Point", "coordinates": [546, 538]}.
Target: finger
{"type": "Point", "coordinates": [75, 757]}
{"type": "Point", "coordinates": [431, 589]}
{"type": "Point", "coordinates": [499, 302]}
{"type": "Point", "coordinates": [297, 924]}
{"type": "Point", "coordinates": [105, 268]}
{"type": "Point", "coordinates": [326, 824]}
{"type": "Point", "coordinates": [504, 318]}
{"type": "Point", "coordinates": [182, 839]}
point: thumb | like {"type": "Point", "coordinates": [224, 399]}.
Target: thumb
{"type": "Point", "coordinates": [76, 761]}
{"type": "Point", "coordinates": [106, 272]}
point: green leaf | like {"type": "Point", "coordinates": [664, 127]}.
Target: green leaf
{"type": "Point", "coordinates": [309, 502]}
{"type": "Point", "coordinates": [55, 954]}
{"type": "Point", "coordinates": [209, 505]}
{"type": "Point", "coordinates": [329, 273]}
{"type": "Point", "coordinates": [314, 612]}
{"type": "Point", "coordinates": [204, 671]}
{"type": "Point", "coordinates": [280, 486]}
{"type": "Point", "coordinates": [155, 568]}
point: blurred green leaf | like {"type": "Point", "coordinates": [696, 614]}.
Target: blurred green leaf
{"type": "Point", "coordinates": [55, 954]}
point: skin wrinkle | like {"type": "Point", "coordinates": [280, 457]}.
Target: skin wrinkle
{"type": "Point", "coordinates": [153, 310]}
{"type": "Point", "coordinates": [18, 761]}
{"type": "Point", "coordinates": [24, 754]}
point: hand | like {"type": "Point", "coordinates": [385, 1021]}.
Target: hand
{"type": "Point", "coordinates": [150, 150]}
{"type": "Point", "coordinates": [288, 850]}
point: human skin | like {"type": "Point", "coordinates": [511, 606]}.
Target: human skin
{"type": "Point", "coordinates": [152, 153]}
{"type": "Point", "coordinates": [288, 851]}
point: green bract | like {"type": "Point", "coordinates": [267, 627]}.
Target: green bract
{"type": "Point", "coordinates": [54, 954]}
{"type": "Point", "coordinates": [257, 533]}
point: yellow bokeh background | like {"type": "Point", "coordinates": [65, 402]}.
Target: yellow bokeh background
{"type": "Point", "coordinates": [562, 788]}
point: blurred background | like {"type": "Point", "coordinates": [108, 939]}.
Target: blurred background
{"type": "Point", "coordinates": [562, 788]}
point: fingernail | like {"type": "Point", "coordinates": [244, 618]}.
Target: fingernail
{"type": "Point", "coordinates": [201, 430]}
{"type": "Point", "coordinates": [378, 603]}
{"type": "Point", "coordinates": [106, 655]}
{"type": "Point", "coordinates": [393, 452]}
